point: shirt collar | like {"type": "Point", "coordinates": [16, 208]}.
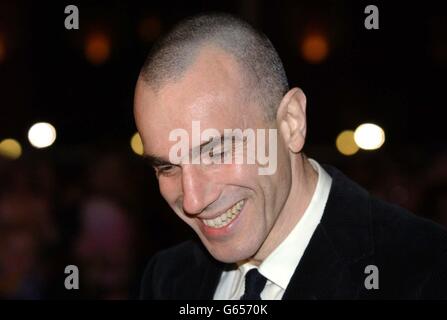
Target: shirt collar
{"type": "Point", "coordinates": [280, 265]}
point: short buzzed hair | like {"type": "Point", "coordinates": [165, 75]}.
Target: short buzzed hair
{"type": "Point", "coordinates": [263, 70]}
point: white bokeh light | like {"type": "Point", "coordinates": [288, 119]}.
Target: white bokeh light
{"type": "Point", "coordinates": [42, 135]}
{"type": "Point", "coordinates": [369, 136]}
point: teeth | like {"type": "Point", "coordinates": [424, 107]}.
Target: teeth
{"type": "Point", "coordinates": [225, 218]}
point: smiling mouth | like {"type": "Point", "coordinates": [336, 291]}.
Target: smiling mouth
{"type": "Point", "coordinates": [225, 218]}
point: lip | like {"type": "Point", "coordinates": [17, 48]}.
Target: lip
{"type": "Point", "coordinates": [210, 232]}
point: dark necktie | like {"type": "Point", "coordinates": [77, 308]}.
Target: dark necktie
{"type": "Point", "coordinates": [254, 284]}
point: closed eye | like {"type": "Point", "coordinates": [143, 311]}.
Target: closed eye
{"type": "Point", "coordinates": [213, 152]}
{"type": "Point", "coordinates": [166, 170]}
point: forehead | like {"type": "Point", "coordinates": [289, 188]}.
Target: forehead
{"type": "Point", "coordinates": [211, 91]}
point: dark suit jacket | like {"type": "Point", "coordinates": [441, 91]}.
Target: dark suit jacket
{"type": "Point", "coordinates": [356, 230]}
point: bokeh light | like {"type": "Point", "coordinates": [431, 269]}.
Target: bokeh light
{"type": "Point", "coordinates": [149, 28]}
{"type": "Point", "coordinates": [2, 48]}
{"type": "Point", "coordinates": [315, 48]}
{"type": "Point", "coordinates": [10, 148]}
{"type": "Point", "coordinates": [42, 135]}
{"type": "Point", "coordinates": [369, 136]}
{"type": "Point", "coordinates": [136, 144]}
{"type": "Point", "coordinates": [345, 143]}
{"type": "Point", "coordinates": [97, 48]}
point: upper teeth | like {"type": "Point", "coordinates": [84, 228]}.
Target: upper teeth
{"type": "Point", "coordinates": [226, 217]}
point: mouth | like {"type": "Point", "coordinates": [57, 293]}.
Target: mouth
{"type": "Point", "coordinates": [225, 218]}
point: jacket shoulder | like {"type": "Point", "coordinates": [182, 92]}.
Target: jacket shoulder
{"type": "Point", "coordinates": [169, 268]}
{"type": "Point", "coordinates": [411, 250]}
{"type": "Point", "coordinates": [399, 228]}
{"type": "Point", "coordinates": [165, 265]}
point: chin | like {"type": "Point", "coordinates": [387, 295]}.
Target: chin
{"type": "Point", "coordinates": [230, 255]}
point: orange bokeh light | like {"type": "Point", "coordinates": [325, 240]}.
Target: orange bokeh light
{"type": "Point", "coordinates": [97, 48]}
{"type": "Point", "coordinates": [2, 49]}
{"type": "Point", "coordinates": [149, 29]}
{"type": "Point", "coordinates": [315, 48]}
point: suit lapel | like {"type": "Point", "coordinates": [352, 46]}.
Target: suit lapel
{"type": "Point", "coordinates": [319, 271]}
{"type": "Point", "coordinates": [332, 266]}
{"type": "Point", "coordinates": [208, 272]}
{"type": "Point", "coordinates": [209, 281]}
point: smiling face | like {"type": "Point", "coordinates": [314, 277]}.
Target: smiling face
{"type": "Point", "coordinates": [234, 210]}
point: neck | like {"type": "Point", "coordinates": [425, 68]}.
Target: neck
{"type": "Point", "coordinates": [304, 182]}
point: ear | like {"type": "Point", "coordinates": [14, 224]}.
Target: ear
{"type": "Point", "coordinates": [291, 119]}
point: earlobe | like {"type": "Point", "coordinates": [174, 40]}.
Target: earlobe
{"type": "Point", "coordinates": [292, 119]}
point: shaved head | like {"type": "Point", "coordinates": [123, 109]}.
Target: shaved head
{"type": "Point", "coordinates": [261, 69]}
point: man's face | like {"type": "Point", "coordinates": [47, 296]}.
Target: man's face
{"type": "Point", "coordinates": [230, 206]}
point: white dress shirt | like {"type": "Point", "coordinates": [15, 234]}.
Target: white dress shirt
{"type": "Point", "coordinates": [280, 265]}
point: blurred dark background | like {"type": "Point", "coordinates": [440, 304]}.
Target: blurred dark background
{"type": "Point", "coordinates": [89, 200]}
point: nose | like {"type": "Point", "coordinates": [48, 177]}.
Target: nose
{"type": "Point", "coordinates": [198, 190]}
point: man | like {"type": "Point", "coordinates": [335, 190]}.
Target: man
{"type": "Point", "coordinates": [304, 231]}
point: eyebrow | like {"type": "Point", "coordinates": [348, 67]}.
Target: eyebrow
{"type": "Point", "coordinates": [211, 143]}
{"type": "Point", "coordinates": [156, 161]}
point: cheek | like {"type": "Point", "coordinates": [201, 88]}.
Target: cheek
{"type": "Point", "coordinates": [283, 170]}
{"type": "Point", "coordinates": [246, 173]}
{"type": "Point", "coordinates": [169, 190]}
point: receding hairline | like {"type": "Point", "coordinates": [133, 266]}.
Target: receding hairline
{"type": "Point", "coordinates": [203, 51]}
